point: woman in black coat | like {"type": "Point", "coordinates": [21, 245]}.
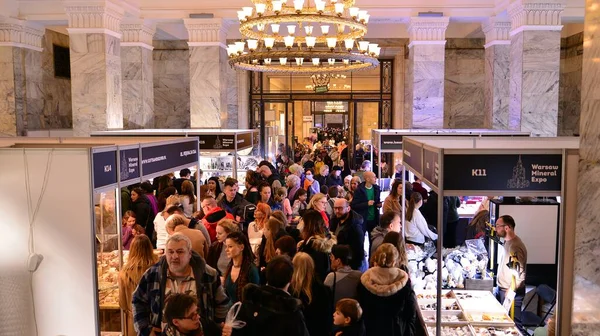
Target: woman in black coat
{"type": "Point", "coordinates": [317, 242]}
{"type": "Point", "coordinates": [143, 211]}
{"type": "Point", "coordinates": [386, 297]}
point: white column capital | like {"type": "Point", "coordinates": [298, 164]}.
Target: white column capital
{"type": "Point", "coordinates": [427, 30]}
{"type": "Point", "coordinates": [497, 31]}
{"type": "Point", "coordinates": [94, 17]}
{"type": "Point", "coordinates": [206, 32]}
{"type": "Point", "coordinates": [535, 15]}
{"type": "Point", "coordinates": [17, 33]}
{"type": "Point", "coordinates": [137, 33]}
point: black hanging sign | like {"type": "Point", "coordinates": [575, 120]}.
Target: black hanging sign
{"type": "Point", "coordinates": [130, 164]}
{"type": "Point", "coordinates": [526, 172]}
{"type": "Point", "coordinates": [431, 166]}
{"type": "Point", "coordinates": [217, 142]}
{"type": "Point", "coordinates": [105, 168]}
{"type": "Point", "coordinates": [168, 156]}
{"type": "Point", "coordinates": [244, 140]}
{"type": "Point", "coordinates": [391, 142]}
{"type": "Point", "coordinates": [412, 156]}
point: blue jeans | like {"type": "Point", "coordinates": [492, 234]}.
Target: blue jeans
{"type": "Point", "coordinates": [500, 294]}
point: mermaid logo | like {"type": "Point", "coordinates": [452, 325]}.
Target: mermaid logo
{"type": "Point", "coordinates": [519, 179]}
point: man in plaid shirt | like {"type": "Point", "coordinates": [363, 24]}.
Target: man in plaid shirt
{"type": "Point", "coordinates": [181, 270]}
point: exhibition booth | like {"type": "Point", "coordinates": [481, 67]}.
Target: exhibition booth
{"type": "Point", "coordinates": [62, 226]}
{"type": "Point", "coordinates": [532, 169]}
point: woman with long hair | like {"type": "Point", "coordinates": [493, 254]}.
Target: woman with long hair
{"type": "Point", "coordinates": [141, 257]}
{"type": "Point", "coordinates": [392, 202]}
{"type": "Point", "coordinates": [128, 222]}
{"type": "Point", "coordinates": [266, 251]}
{"type": "Point", "coordinates": [255, 229]}
{"type": "Point", "coordinates": [160, 223]}
{"type": "Point", "coordinates": [241, 269]}
{"type": "Point", "coordinates": [265, 195]}
{"type": "Point", "coordinates": [214, 188]}
{"type": "Point", "coordinates": [188, 198]}
{"type": "Point", "coordinates": [143, 210]}
{"type": "Point", "coordinates": [395, 238]}
{"type": "Point", "coordinates": [385, 294]}
{"type": "Point", "coordinates": [319, 203]}
{"type": "Point", "coordinates": [315, 296]}
{"type": "Point", "coordinates": [252, 181]}
{"type": "Point", "coordinates": [416, 225]}
{"type": "Point", "coordinates": [476, 228]}
{"type": "Point", "coordinates": [162, 197]}
{"type": "Point", "coordinates": [217, 256]}
{"type": "Point", "coordinates": [317, 241]}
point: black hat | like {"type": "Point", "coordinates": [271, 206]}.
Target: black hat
{"type": "Point", "coordinates": [337, 168]}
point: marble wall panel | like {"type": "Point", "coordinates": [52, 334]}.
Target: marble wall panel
{"type": "Point", "coordinates": [232, 101]}
{"type": "Point", "coordinates": [138, 88]}
{"type": "Point", "coordinates": [425, 82]}
{"type": "Point", "coordinates": [33, 113]}
{"type": "Point", "coordinates": [96, 83]}
{"type": "Point", "coordinates": [58, 110]}
{"type": "Point", "coordinates": [19, 87]}
{"type": "Point", "coordinates": [587, 239]}
{"type": "Point", "coordinates": [496, 90]}
{"type": "Point", "coordinates": [171, 74]}
{"type": "Point", "coordinates": [206, 86]}
{"type": "Point", "coordinates": [569, 101]}
{"type": "Point", "coordinates": [464, 84]}
{"type": "Point", "coordinates": [399, 89]}
{"type": "Point", "coordinates": [516, 80]}
{"type": "Point", "coordinates": [8, 117]}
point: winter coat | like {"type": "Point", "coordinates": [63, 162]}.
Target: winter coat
{"type": "Point", "coordinates": [351, 234]}
{"type": "Point", "coordinates": [360, 203]}
{"type": "Point", "coordinates": [319, 311]}
{"type": "Point", "coordinates": [392, 204]}
{"type": "Point", "coordinates": [269, 311]}
{"type": "Point", "coordinates": [199, 243]}
{"type": "Point", "coordinates": [148, 298]}
{"type": "Point", "coordinates": [334, 181]}
{"type": "Point", "coordinates": [377, 236]}
{"type": "Point", "coordinates": [211, 219]}
{"type": "Point", "coordinates": [143, 213]}
{"type": "Point", "coordinates": [388, 302]}
{"type": "Point", "coordinates": [354, 329]}
{"type": "Point", "coordinates": [319, 248]}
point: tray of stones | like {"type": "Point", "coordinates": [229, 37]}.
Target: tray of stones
{"type": "Point", "coordinates": [431, 304]}
{"type": "Point", "coordinates": [451, 330]}
{"type": "Point", "coordinates": [495, 331]}
{"type": "Point", "coordinates": [448, 317]}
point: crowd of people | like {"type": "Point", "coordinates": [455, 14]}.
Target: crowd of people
{"type": "Point", "coordinates": [289, 252]}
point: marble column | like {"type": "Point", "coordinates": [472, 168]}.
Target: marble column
{"type": "Point", "coordinates": [208, 73]}
{"type": "Point", "coordinates": [587, 235]}
{"type": "Point", "coordinates": [96, 79]}
{"type": "Point", "coordinates": [535, 66]}
{"type": "Point", "coordinates": [399, 71]}
{"type": "Point", "coordinates": [21, 77]}
{"type": "Point", "coordinates": [243, 95]}
{"type": "Point", "coordinates": [425, 74]}
{"type": "Point", "coordinates": [137, 72]}
{"type": "Point", "coordinates": [497, 80]}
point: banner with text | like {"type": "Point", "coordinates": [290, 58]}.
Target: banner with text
{"type": "Point", "coordinates": [391, 142]}
{"type": "Point", "coordinates": [168, 156]}
{"type": "Point", "coordinates": [104, 166]}
{"type": "Point", "coordinates": [412, 156]}
{"type": "Point", "coordinates": [130, 165]}
{"type": "Point", "coordinates": [217, 142]}
{"type": "Point", "coordinates": [431, 166]}
{"type": "Point", "coordinates": [526, 172]}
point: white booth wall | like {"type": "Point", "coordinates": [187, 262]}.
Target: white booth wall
{"type": "Point", "coordinates": [63, 286]}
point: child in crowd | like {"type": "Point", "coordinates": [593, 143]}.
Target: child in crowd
{"type": "Point", "coordinates": [128, 223]}
{"type": "Point", "coordinates": [137, 230]}
{"type": "Point", "coordinates": [300, 204]}
{"type": "Point", "coordinates": [280, 198]}
{"type": "Point", "coordinates": [347, 318]}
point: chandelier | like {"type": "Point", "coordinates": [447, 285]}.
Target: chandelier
{"type": "Point", "coordinates": [324, 79]}
{"type": "Point", "coordinates": [306, 37]}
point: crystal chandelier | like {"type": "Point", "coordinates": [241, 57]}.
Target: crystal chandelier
{"type": "Point", "coordinates": [306, 37]}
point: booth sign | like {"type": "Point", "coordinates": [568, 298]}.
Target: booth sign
{"type": "Point", "coordinates": [412, 156]}
{"type": "Point", "coordinates": [159, 158]}
{"type": "Point", "coordinates": [104, 168]}
{"type": "Point", "coordinates": [391, 142]}
{"type": "Point", "coordinates": [130, 164]}
{"type": "Point", "coordinates": [514, 172]}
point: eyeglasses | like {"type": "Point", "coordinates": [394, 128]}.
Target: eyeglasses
{"type": "Point", "coordinates": [192, 316]}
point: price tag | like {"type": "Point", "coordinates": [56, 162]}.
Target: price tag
{"type": "Point", "coordinates": [508, 299]}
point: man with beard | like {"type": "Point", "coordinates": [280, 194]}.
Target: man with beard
{"type": "Point", "coordinates": [514, 251]}
{"type": "Point", "coordinates": [180, 270]}
{"type": "Point", "coordinates": [347, 227]}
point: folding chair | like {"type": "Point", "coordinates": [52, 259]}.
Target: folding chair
{"type": "Point", "coordinates": [529, 319]}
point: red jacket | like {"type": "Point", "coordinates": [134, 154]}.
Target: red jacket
{"type": "Point", "coordinates": [211, 219]}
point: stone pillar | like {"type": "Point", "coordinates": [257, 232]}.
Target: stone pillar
{"type": "Point", "coordinates": [587, 235]}
{"type": "Point", "coordinates": [21, 76]}
{"type": "Point", "coordinates": [399, 70]}
{"type": "Point", "coordinates": [94, 43]}
{"type": "Point", "coordinates": [425, 75]}
{"type": "Point", "coordinates": [137, 72]}
{"type": "Point", "coordinates": [535, 66]}
{"type": "Point", "coordinates": [208, 72]}
{"type": "Point", "coordinates": [497, 80]}
{"type": "Point", "coordinates": [243, 90]}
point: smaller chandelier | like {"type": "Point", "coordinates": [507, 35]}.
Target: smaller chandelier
{"type": "Point", "coordinates": [324, 36]}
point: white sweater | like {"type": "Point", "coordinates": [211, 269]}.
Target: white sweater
{"type": "Point", "coordinates": [417, 229]}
